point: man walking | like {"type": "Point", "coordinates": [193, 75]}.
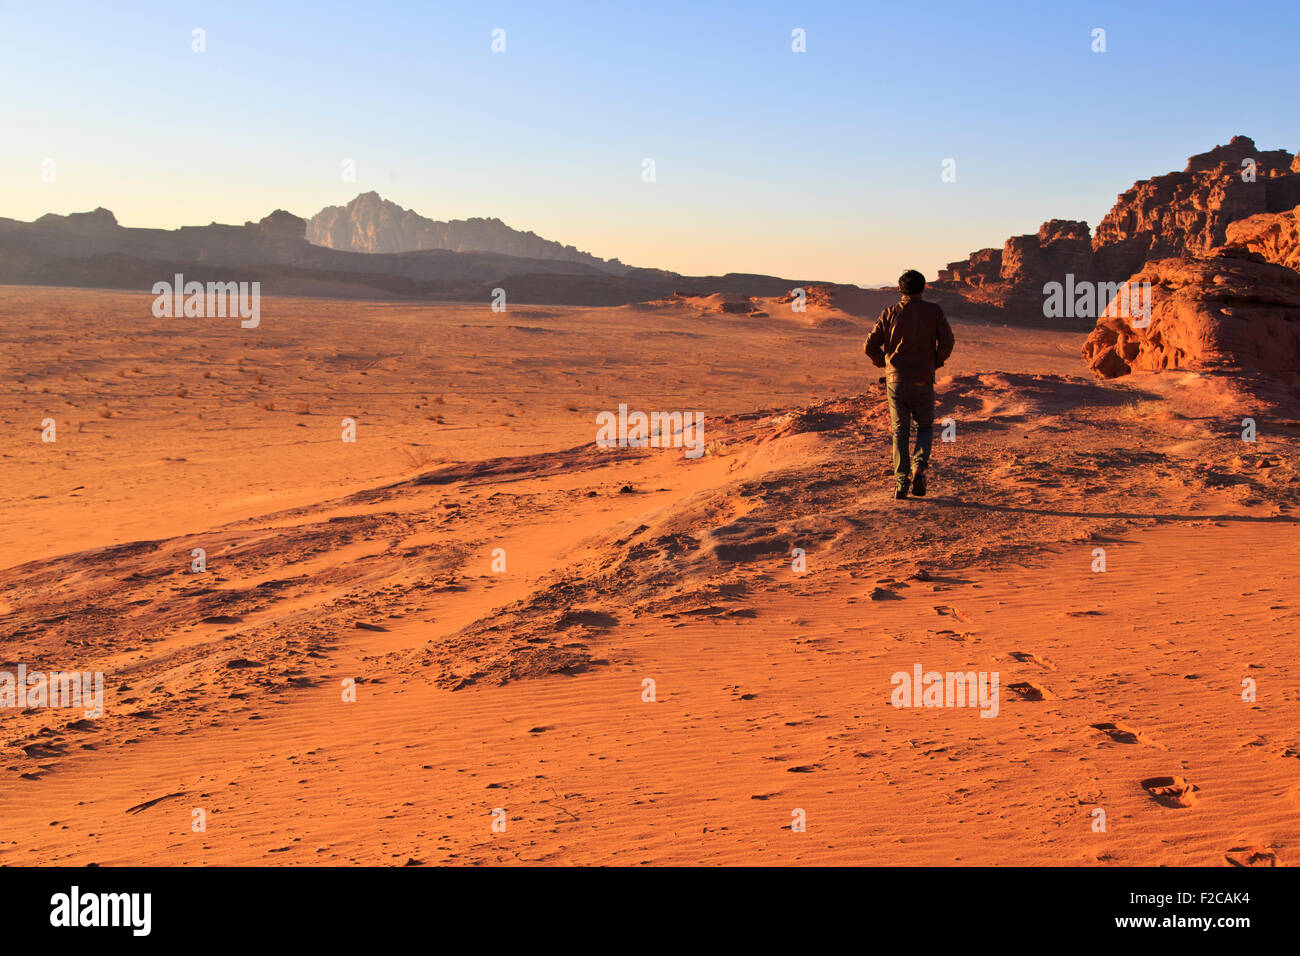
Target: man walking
{"type": "Point", "coordinates": [910, 340]}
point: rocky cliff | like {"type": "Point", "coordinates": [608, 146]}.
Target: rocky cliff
{"type": "Point", "coordinates": [1274, 236]}
{"type": "Point", "coordinates": [1188, 213]}
{"type": "Point", "coordinates": [1178, 214]}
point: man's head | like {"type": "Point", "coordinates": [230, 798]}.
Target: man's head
{"type": "Point", "coordinates": [911, 282]}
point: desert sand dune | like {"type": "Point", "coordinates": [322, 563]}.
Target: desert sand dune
{"type": "Point", "coordinates": [484, 693]}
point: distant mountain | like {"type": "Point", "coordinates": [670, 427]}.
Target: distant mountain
{"type": "Point", "coordinates": [92, 250]}
{"type": "Point", "coordinates": [373, 224]}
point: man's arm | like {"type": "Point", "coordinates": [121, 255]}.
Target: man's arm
{"type": "Point", "coordinates": [945, 342]}
{"type": "Point", "coordinates": [875, 343]}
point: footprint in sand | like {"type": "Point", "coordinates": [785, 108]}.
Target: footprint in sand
{"type": "Point", "coordinates": [1028, 690]}
{"type": "Point", "coordinates": [41, 751]}
{"type": "Point", "coordinates": [946, 611]}
{"type": "Point", "coordinates": [1172, 792]}
{"type": "Point", "coordinates": [1025, 657]}
{"type": "Point", "coordinates": [1250, 856]}
{"type": "Point", "coordinates": [1125, 735]}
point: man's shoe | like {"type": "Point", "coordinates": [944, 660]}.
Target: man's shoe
{"type": "Point", "coordinates": [900, 492]}
{"type": "Point", "coordinates": [918, 484]}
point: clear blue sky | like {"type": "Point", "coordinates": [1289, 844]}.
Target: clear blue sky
{"type": "Point", "coordinates": [824, 164]}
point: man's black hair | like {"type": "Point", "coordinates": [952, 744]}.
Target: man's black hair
{"type": "Point", "coordinates": [911, 282]}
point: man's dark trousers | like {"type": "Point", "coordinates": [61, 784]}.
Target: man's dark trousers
{"type": "Point", "coordinates": [911, 402]}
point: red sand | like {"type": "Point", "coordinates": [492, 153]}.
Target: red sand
{"type": "Point", "coordinates": [524, 690]}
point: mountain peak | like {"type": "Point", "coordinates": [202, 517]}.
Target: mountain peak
{"type": "Point", "coordinates": [283, 223]}
{"type": "Point", "coordinates": [98, 218]}
{"type": "Point", "coordinates": [370, 223]}
{"type": "Point", "coordinates": [1240, 148]}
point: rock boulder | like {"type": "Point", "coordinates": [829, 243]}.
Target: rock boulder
{"type": "Point", "coordinates": [1231, 311]}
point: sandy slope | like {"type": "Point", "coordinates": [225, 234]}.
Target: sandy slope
{"type": "Point", "coordinates": [524, 690]}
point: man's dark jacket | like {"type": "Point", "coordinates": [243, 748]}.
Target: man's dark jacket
{"type": "Point", "coordinates": [910, 340]}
